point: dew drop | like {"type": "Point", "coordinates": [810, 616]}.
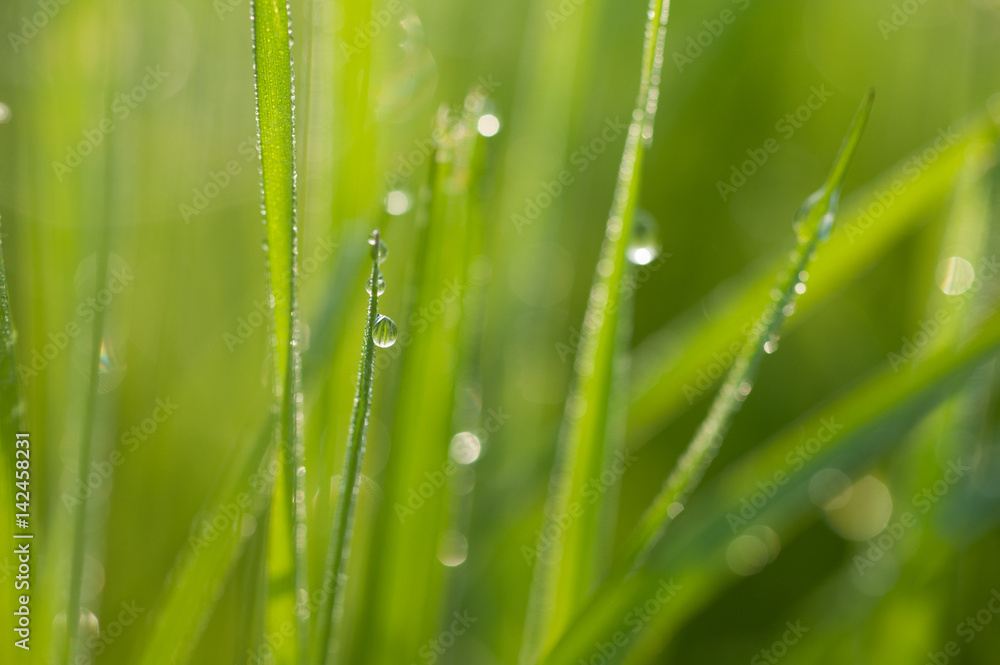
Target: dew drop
{"type": "Point", "coordinates": [770, 346]}
{"type": "Point", "coordinates": [381, 285]}
{"type": "Point", "coordinates": [488, 125]}
{"type": "Point", "coordinates": [955, 276]}
{"type": "Point", "coordinates": [380, 252]}
{"type": "Point", "coordinates": [4, 113]}
{"type": "Point", "coordinates": [800, 288]}
{"type": "Point", "coordinates": [397, 202]}
{"type": "Point", "coordinates": [465, 447]}
{"type": "Point", "coordinates": [453, 549]}
{"type": "Point", "coordinates": [644, 245]}
{"type": "Point", "coordinates": [674, 509]}
{"type": "Point", "coordinates": [384, 332]}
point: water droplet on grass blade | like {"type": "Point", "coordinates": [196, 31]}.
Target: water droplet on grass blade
{"type": "Point", "coordinates": [4, 113]}
{"type": "Point", "coordinates": [381, 285]}
{"type": "Point", "coordinates": [384, 332]}
{"type": "Point", "coordinates": [379, 250]}
{"type": "Point", "coordinates": [644, 246]}
{"type": "Point", "coordinates": [955, 276]}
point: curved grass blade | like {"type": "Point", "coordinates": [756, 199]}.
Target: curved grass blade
{"type": "Point", "coordinates": [813, 226]}
{"type": "Point", "coordinates": [275, 95]}
{"type": "Point", "coordinates": [340, 538]}
{"type": "Point", "coordinates": [672, 365]}
{"type": "Point", "coordinates": [566, 570]}
{"type": "Point", "coordinates": [870, 421]}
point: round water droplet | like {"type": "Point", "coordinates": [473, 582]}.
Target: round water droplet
{"type": "Point", "coordinates": [4, 113]}
{"type": "Point", "coordinates": [674, 509]}
{"type": "Point", "coordinates": [488, 125]}
{"type": "Point", "coordinates": [381, 285]}
{"type": "Point", "coordinates": [381, 251]}
{"type": "Point", "coordinates": [770, 346]}
{"type": "Point", "coordinates": [397, 202]}
{"type": "Point", "coordinates": [465, 447]}
{"type": "Point", "coordinates": [453, 549]}
{"type": "Point", "coordinates": [384, 332]}
{"type": "Point", "coordinates": [955, 276]}
{"type": "Point", "coordinates": [800, 288]}
{"type": "Point", "coordinates": [644, 245]}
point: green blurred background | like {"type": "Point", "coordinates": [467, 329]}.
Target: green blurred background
{"type": "Point", "coordinates": [172, 191]}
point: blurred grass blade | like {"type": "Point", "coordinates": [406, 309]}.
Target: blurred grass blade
{"type": "Point", "coordinates": [813, 226]}
{"type": "Point", "coordinates": [672, 366]}
{"type": "Point", "coordinates": [343, 522]}
{"type": "Point", "coordinates": [566, 570]}
{"type": "Point", "coordinates": [195, 583]}
{"type": "Point", "coordinates": [275, 97]}
{"type": "Point", "coordinates": [10, 425]}
{"type": "Point", "coordinates": [869, 422]}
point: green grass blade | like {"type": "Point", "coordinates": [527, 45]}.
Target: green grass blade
{"type": "Point", "coordinates": [340, 538]}
{"type": "Point", "coordinates": [566, 571]}
{"type": "Point", "coordinates": [393, 626]}
{"type": "Point", "coordinates": [869, 420]}
{"type": "Point", "coordinates": [815, 221]}
{"type": "Point", "coordinates": [275, 96]}
{"type": "Point", "coordinates": [672, 365]}
{"type": "Point", "coordinates": [209, 555]}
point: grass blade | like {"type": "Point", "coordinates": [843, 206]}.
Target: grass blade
{"type": "Point", "coordinates": [814, 223]}
{"type": "Point", "coordinates": [275, 95]}
{"type": "Point", "coordinates": [870, 419]}
{"type": "Point", "coordinates": [340, 538]}
{"type": "Point", "coordinates": [566, 570]}
{"type": "Point", "coordinates": [671, 365]}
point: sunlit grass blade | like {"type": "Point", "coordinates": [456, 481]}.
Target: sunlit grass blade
{"type": "Point", "coordinates": [566, 570]}
{"type": "Point", "coordinates": [275, 97]}
{"type": "Point", "coordinates": [813, 225]}
{"type": "Point", "coordinates": [870, 421]}
{"type": "Point", "coordinates": [673, 366]}
{"type": "Point", "coordinates": [343, 521]}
